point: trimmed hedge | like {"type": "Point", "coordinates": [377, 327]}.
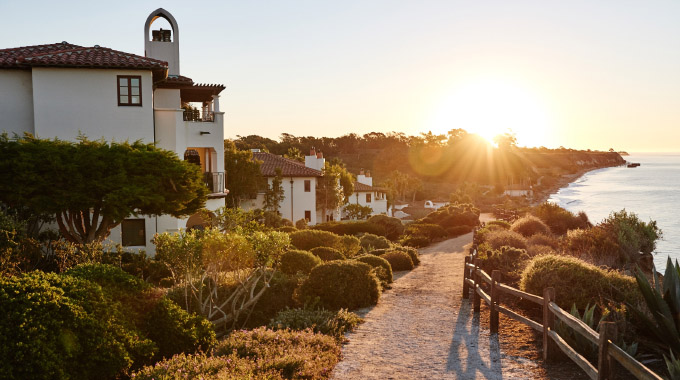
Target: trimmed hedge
{"type": "Point", "coordinates": [349, 246]}
{"type": "Point", "coordinates": [412, 253]}
{"type": "Point", "coordinates": [296, 261]}
{"type": "Point", "coordinates": [370, 241]}
{"type": "Point", "coordinates": [415, 241]}
{"type": "Point", "coordinates": [394, 228]}
{"type": "Point", "coordinates": [327, 254]}
{"type": "Point", "coordinates": [577, 282]}
{"type": "Point", "coordinates": [342, 284]}
{"type": "Point", "coordinates": [385, 272]}
{"type": "Point", "coordinates": [500, 238]}
{"type": "Point", "coordinates": [287, 229]}
{"type": "Point", "coordinates": [398, 260]}
{"type": "Point", "coordinates": [308, 239]}
{"type": "Point", "coordinates": [529, 226]}
{"type": "Point", "coordinates": [351, 228]}
{"type": "Point", "coordinates": [458, 230]}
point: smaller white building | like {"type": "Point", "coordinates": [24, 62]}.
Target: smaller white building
{"type": "Point", "coordinates": [367, 195]}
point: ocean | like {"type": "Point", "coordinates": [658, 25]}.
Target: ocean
{"type": "Point", "coordinates": [652, 191]}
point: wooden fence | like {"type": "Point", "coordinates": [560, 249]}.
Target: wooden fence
{"type": "Point", "coordinates": [475, 279]}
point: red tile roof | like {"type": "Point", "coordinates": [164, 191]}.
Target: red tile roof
{"type": "Point", "coordinates": [289, 168]}
{"type": "Point", "coordinates": [68, 55]}
{"type": "Point", "coordinates": [358, 186]}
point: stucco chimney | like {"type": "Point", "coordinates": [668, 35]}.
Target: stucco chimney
{"type": "Point", "coordinates": [361, 172]}
{"type": "Point", "coordinates": [368, 173]}
{"type": "Point", "coordinates": [312, 152]}
{"type": "Point", "coordinates": [319, 155]}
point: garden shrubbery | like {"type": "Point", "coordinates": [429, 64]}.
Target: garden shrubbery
{"type": "Point", "coordinates": [341, 284]}
{"type": "Point", "coordinates": [529, 226]}
{"type": "Point", "coordinates": [543, 239]}
{"type": "Point", "coordinates": [327, 322]}
{"type": "Point", "coordinates": [327, 253]}
{"type": "Point", "coordinates": [370, 242]}
{"type": "Point", "coordinates": [499, 238]}
{"type": "Point", "coordinates": [255, 354]}
{"type": "Point", "coordinates": [351, 228]}
{"type": "Point", "coordinates": [429, 230]}
{"type": "Point", "coordinates": [412, 253]}
{"type": "Point", "coordinates": [415, 241]}
{"type": "Point", "coordinates": [458, 230]}
{"type": "Point", "coordinates": [398, 260]}
{"type": "Point", "coordinates": [558, 219]}
{"type": "Point", "coordinates": [308, 239]}
{"type": "Point", "coordinates": [382, 267]}
{"type": "Point", "coordinates": [393, 227]}
{"type": "Point", "coordinates": [349, 246]}
{"type": "Point", "coordinates": [577, 282]}
{"type": "Point", "coordinates": [510, 261]}
{"type": "Point", "coordinates": [452, 215]}
{"type": "Point", "coordinates": [297, 261]}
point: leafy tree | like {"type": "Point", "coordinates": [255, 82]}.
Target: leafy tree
{"type": "Point", "coordinates": [357, 211]}
{"type": "Point", "coordinates": [333, 188]}
{"type": "Point", "coordinates": [295, 154]}
{"type": "Point", "coordinates": [274, 193]}
{"type": "Point", "coordinates": [243, 174]}
{"type": "Point", "coordinates": [506, 140]}
{"type": "Point", "coordinates": [91, 186]}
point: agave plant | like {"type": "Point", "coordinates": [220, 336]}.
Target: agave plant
{"type": "Point", "coordinates": [664, 305]}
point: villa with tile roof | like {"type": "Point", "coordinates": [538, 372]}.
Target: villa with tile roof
{"type": "Point", "coordinates": [365, 194]}
{"type": "Point", "coordinates": [63, 90]}
{"type": "Point", "coordinates": [299, 186]}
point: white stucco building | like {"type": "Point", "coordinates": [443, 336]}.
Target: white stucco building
{"type": "Point", "coordinates": [367, 195]}
{"type": "Point", "coordinates": [299, 183]}
{"type": "Point", "coordinates": [62, 89]}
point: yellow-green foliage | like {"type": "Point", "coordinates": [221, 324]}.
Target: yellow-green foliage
{"type": "Point", "coordinates": [529, 226]}
{"type": "Point", "coordinates": [510, 261]}
{"type": "Point", "coordinates": [382, 267]}
{"type": "Point", "coordinates": [558, 219]}
{"type": "Point", "coordinates": [577, 282]}
{"type": "Point", "coordinates": [543, 239]}
{"type": "Point", "coordinates": [341, 284]}
{"type": "Point", "coordinates": [308, 239]}
{"type": "Point", "coordinates": [295, 261]}
{"type": "Point", "coordinates": [500, 238]}
{"type": "Point", "coordinates": [398, 260]}
{"type": "Point", "coordinates": [327, 253]}
{"type": "Point", "coordinates": [349, 246]}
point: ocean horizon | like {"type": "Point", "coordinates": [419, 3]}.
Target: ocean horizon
{"type": "Point", "coordinates": [652, 191]}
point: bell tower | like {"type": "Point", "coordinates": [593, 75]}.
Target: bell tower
{"type": "Point", "coordinates": [162, 44]}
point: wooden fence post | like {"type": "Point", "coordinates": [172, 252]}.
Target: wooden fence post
{"type": "Point", "coordinates": [549, 346]}
{"type": "Point", "coordinates": [495, 295]}
{"type": "Point", "coordinates": [476, 299]}
{"type": "Point", "coordinates": [605, 363]}
{"type": "Point", "coordinates": [466, 274]}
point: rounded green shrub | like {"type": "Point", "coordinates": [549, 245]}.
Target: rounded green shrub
{"type": "Point", "coordinates": [577, 282]}
{"type": "Point", "coordinates": [398, 260]}
{"type": "Point", "coordinates": [295, 261]}
{"type": "Point", "coordinates": [412, 253]}
{"type": "Point", "coordinates": [109, 277]}
{"type": "Point", "coordinates": [349, 246]}
{"type": "Point", "coordinates": [378, 252]}
{"type": "Point", "coordinates": [559, 220]}
{"type": "Point", "coordinates": [529, 226]}
{"type": "Point", "coordinates": [393, 227]}
{"type": "Point", "coordinates": [351, 228]}
{"type": "Point", "coordinates": [369, 242]}
{"type": "Point", "coordinates": [537, 250]}
{"type": "Point", "coordinates": [415, 241]}
{"type": "Point", "coordinates": [510, 261]}
{"type": "Point", "coordinates": [287, 229]}
{"type": "Point", "coordinates": [327, 254]}
{"type": "Point", "coordinates": [342, 284]}
{"type": "Point", "coordinates": [327, 322]}
{"type": "Point", "coordinates": [176, 331]}
{"type": "Point", "coordinates": [385, 274]}
{"type": "Point", "coordinates": [500, 238]}
{"type": "Point", "coordinates": [308, 239]}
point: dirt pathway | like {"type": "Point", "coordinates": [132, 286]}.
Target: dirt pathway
{"type": "Point", "coordinates": [422, 329]}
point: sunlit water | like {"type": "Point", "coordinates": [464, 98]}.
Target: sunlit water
{"type": "Point", "coordinates": [651, 190]}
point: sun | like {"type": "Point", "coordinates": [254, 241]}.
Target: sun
{"type": "Point", "coordinates": [491, 106]}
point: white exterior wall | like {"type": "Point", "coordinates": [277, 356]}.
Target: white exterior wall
{"type": "Point", "coordinates": [16, 102]}
{"type": "Point", "coordinates": [67, 102]}
{"type": "Point", "coordinates": [301, 201]}
{"type": "Point", "coordinates": [379, 206]}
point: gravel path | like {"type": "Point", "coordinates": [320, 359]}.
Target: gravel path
{"type": "Point", "coordinates": [422, 329]}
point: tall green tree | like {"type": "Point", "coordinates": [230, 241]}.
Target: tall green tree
{"type": "Point", "coordinates": [91, 186]}
{"type": "Point", "coordinates": [243, 174]}
{"type": "Point", "coordinates": [333, 188]}
{"type": "Point", "coordinates": [274, 193]}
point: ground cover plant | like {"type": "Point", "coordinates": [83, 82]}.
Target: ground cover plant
{"type": "Point", "coordinates": [327, 322]}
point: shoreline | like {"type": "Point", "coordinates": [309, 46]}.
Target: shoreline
{"type": "Point", "coordinates": [564, 181]}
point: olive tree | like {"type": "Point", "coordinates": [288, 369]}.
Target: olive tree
{"type": "Point", "coordinates": [91, 186]}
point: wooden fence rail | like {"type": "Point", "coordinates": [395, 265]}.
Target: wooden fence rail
{"type": "Point", "coordinates": [477, 280]}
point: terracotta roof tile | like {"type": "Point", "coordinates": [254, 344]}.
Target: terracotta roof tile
{"type": "Point", "coordinates": [289, 168]}
{"type": "Point", "coordinates": [68, 55]}
{"type": "Point", "coordinates": [358, 186]}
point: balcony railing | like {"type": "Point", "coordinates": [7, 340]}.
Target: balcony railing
{"type": "Point", "coordinates": [197, 115]}
{"type": "Point", "coordinates": [214, 181]}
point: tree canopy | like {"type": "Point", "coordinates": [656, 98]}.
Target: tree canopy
{"type": "Point", "coordinates": [243, 174]}
{"type": "Point", "coordinates": [91, 186]}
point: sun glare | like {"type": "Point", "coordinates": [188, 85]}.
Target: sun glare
{"type": "Point", "coordinates": [491, 107]}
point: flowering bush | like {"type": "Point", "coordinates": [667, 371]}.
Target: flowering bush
{"type": "Point", "coordinates": [333, 323]}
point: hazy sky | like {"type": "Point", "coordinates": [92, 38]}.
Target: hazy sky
{"type": "Point", "coordinates": [582, 74]}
